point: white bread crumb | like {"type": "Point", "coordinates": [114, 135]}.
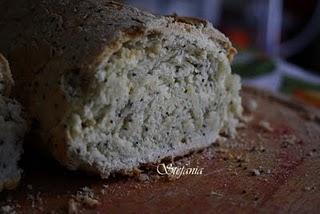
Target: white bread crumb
{"type": "Point", "coordinates": [265, 125]}
{"type": "Point", "coordinates": [7, 209]}
{"type": "Point", "coordinates": [84, 197]}
{"type": "Point", "coordinates": [252, 105]}
{"type": "Point", "coordinates": [72, 206]}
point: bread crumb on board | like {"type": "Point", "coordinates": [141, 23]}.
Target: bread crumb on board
{"type": "Point", "coordinates": [84, 197]}
{"type": "Point", "coordinates": [309, 188]}
{"type": "Point", "coordinates": [31, 198]}
{"type": "Point", "coordinates": [7, 209]}
{"type": "Point", "coordinates": [29, 187]}
{"type": "Point", "coordinates": [289, 140]}
{"type": "Point", "coordinates": [255, 172]}
{"type": "Point", "coordinates": [72, 206]}
{"type": "Point", "coordinates": [247, 118]}
{"type": "Point", "coordinates": [265, 125]}
{"type": "Point", "coordinates": [252, 105]}
{"type": "Point", "coordinates": [143, 177]}
{"type": "Point", "coordinates": [103, 191]}
{"type": "Point", "coordinates": [36, 201]}
{"type": "Point", "coordinates": [214, 193]}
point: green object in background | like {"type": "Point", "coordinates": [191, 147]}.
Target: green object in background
{"type": "Point", "coordinates": [289, 85]}
{"type": "Point", "coordinates": [251, 65]}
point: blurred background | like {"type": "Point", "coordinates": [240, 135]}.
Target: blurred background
{"type": "Point", "coordinates": [278, 40]}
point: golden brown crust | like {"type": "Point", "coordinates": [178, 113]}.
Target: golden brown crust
{"type": "Point", "coordinates": [215, 35]}
{"type": "Point", "coordinates": [5, 76]}
{"type": "Point", "coordinates": [46, 41]}
{"type": "Point", "coordinates": [189, 20]}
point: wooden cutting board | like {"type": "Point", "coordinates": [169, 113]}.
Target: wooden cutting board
{"type": "Point", "coordinates": [265, 169]}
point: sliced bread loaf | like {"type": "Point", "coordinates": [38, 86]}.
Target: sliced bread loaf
{"type": "Point", "coordinates": [111, 87]}
{"type": "Point", "coordinates": [12, 130]}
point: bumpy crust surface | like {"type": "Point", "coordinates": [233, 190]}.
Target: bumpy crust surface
{"type": "Point", "coordinates": [215, 35]}
{"type": "Point", "coordinates": [6, 80]}
{"type": "Point", "coordinates": [46, 40]}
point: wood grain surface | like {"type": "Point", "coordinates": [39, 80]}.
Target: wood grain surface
{"type": "Point", "coordinates": [264, 169]}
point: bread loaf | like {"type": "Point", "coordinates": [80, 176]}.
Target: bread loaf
{"type": "Point", "coordinates": [110, 87]}
{"type": "Point", "coordinates": [12, 130]}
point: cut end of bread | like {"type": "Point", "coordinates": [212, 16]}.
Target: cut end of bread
{"type": "Point", "coordinates": [163, 94]}
{"type": "Point", "coordinates": [12, 130]}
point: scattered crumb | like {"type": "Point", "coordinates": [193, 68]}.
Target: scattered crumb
{"type": "Point", "coordinates": [104, 187]}
{"type": "Point", "coordinates": [31, 198]}
{"type": "Point", "coordinates": [261, 148]}
{"type": "Point", "coordinates": [155, 177]}
{"type": "Point", "coordinates": [84, 197]}
{"type": "Point", "coordinates": [91, 202]}
{"type": "Point", "coordinates": [36, 201]}
{"type": "Point", "coordinates": [219, 141]}
{"type": "Point", "coordinates": [8, 209]}
{"type": "Point", "coordinates": [288, 140]}
{"type": "Point", "coordinates": [29, 187]}
{"type": "Point", "coordinates": [242, 125]}
{"type": "Point", "coordinates": [252, 105]}
{"type": "Point", "coordinates": [234, 173]}
{"type": "Point", "coordinates": [143, 177]}
{"type": "Point", "coordinates": [310, 154]}
{"type": "Point", "coordinates": [269, 171]}
{"type": "Point", "coordinates": [135, 172]}
{"type": "Point", "coordinates": [39, 201]}
{"type": "Point", "coordinates": [9, 198]}
{"type": "Point", "coordinates": [309, 188]}
{"type": "Point", "coordinates": [183, 162]}
{"type": "Point", "coordinates": [213, 193]}
{"type": "Point", "coordinates": [171, 177]}
{"type": "Point", "coordinates": [243, 158]}
{"type": "Point", "coordinates": [255, 172]}
{"type": "Point", "coordinates": [260, 169]}
{"type": "Point", "coordinates": [72, 206]}
{"type": "Point", "coordinates": [208, 153]}
{"type": "Point", "coordinates": [247, 118]}
{"type": "Point", "coordinates": [221, 150]}
{"type": "Point", "coordinates": [265, 125]}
